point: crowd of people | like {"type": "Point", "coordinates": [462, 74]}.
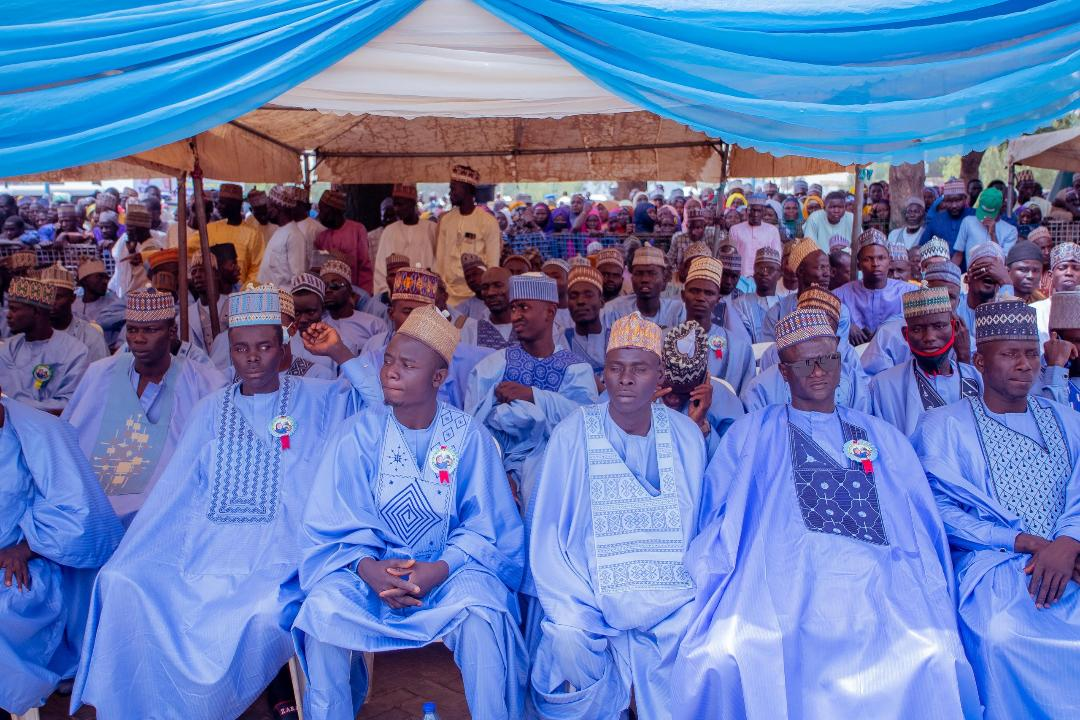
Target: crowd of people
{"type": "Point", "coordinates": [666, 456]}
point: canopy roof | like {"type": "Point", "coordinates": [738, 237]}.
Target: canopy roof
{"type": "Point", "coordinates": [1057, 150]}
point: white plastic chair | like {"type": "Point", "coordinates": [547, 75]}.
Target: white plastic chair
{"type": "Point", "coordinates": [31, 714]}
{"type": "Point", "coordinates": [759, 350]}
{"type": "Point", "coordinates": [860, 349]}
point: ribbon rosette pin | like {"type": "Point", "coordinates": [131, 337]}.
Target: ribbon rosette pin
{"type": "Point", "coordinates": [282, 427]}
{"type": "Point", "coordinates": [42, 374]}
{"type": "Point", "coordinates": [717, 343]}
{"type": "Point", "coordinates": [443, 460]}
{"type": "Point", "coordinates": [861, 451]}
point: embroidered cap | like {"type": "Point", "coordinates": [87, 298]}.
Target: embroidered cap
{"type": "Point", "coordinates": [149, 306]}
{"type": "Point", "coordinates": [946, 271]}
{"type": "Point", "coordinates": [255, 305]}
{"type": "Point", "coordinates": [610, 256]}
{"type": "Point", "coordinates": [1005, 320]}
{"type": "Point", "coordinates": [897, 251]}
{"type": "Point", "coordinates": [982, 251]}
{"type": "Point", "coordinates": [935, 247]}
{"type": "Point", "coordinates": [282, 195]}
{"type": "Point", "coordinates": [953, 187]}
{"type": "Point", "coordinates": [333, 266]}
{"type": "Point", "coordinates": [685, 354]}
{"type": "Point", "coordinates": [803, 324]}
{"type": "Point", "coordinates": [333, 199]}
{"type": "Point", "coordinates": [404, 191]}
{"type": "Point", "coordinates": [730, 257]}
{"type": "Point", "coordinates": [31, 292]}
{"type": "Point", "coordinates": [415, 284]}
{"type": "Point", "coordinates": [470, 261]}
{"type": "Point", "coordinates": [705, 268]}
{"type": "Point", "coordinates": [767, 255]}
{"type": "Point", "coordinates": [556, 262]}
{"type": "Point", "coordinates": [163, 257]}
{"type": "Point", "coordinates": [90, 267]}
{"type": "Point", "coordinates": [137, 216]}
{"type": "Point", "coordinates": [196, 263]}
{"type": "Point", "coordinates": [1064, 252]}
{"type": "Point", "coordinates": [696, 250]}
{"type": "Point", "coordinates": [464, 174]}
{"type": "Point", "coordinates": [801, 250]}
{"type": "Point", "coordinates": [534, 286]}
{"type": "Point", "coordinates": [585, 274]}
{"type": "Point", "coordinates": [757, 199]}
{"type": "Point", "coordinates": [815, 298]}
{"type": "Point", "coordinates": [288, 307]}
{"type": "Point", "coordinates": [872, 236]}
{"type": "Point", "coordinates": [926, 301]}
{"type": "Point", "coordinates": [1039, 233]}
{"type": "Point", "coordinates": [581, 260]}
{"type": "Point", "coordinates": [309, 282]}
{"type": "Point", "coordinates": [430, 327]}
{"type": "Point", "coordinates": [695, 213]}
{"type": "Point", "coordinates": [58, 276]}
{"type": "Point", "coordinates": [230, 191]}
{"type": "Point", "coordinates": [397, 259]}
{"type": "Point", "coordinates": [22, 260]}
{"type": "Point", "coordinates": [649, 255]}
{"type": "Point", "coordinates": [257, 198]}
{"type": "Point", "coordinates": [1065, 310]}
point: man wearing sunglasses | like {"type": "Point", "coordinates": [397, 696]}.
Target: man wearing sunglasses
{"type": "Point", "coordinates": [933, 376]}
{"type": "Point", "coordinates": [354, 327]}
{"type": "Point", "coordinates": [822, 534]}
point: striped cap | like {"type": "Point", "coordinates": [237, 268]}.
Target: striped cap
{"type": "Point", "coordinates": [696, 250]}
{"type": "Point", "coordinates": [90, 267]}
{"type": "Point", "coordinates": [333, 266]}
{"type": "Point", "coordinates": [31, 292]}
{"type": "Point", "coordinates": [164, 257]}
{"type": "Point", "coordinates": [935, 247]}
{"type": "Point", "coordinates": [730, 257]}
{"type": "Point", "coordinates": [1065, 310]}
{"type": "Point", "coordinates": [149, 306]}
{"type": "Point", "coordinates": [988, 249]}
{"type": "Point", "coordinates": [954, 187]}
{"type": "Point", "coordinates": [801, 250]}
{"type": "Point", "coordinates": [946, 271]}
{"type": "Point", "coordinates": [649, 255]}
{"type": "Point", "coordinates": [872, 236]}
{"type": "Point", "coordinates": [255, 305]}
{"type": "Point", "coordinates": [706, 268]}
{"type": "Point", "coordinates": [469, 261]}
{"type": "Point", "coordinates": [58, 276]}
{"type": "Point", "coordinates": [534, 286]}
{"type": "Point", "coordinates": [309, 282]}
{"type": "Point", "coordinates": [1005, 320]}
{"type": "Point", "coordinates": [610, 256]}
{"type": "Point", "coordinates": [801, 325]}
{"type": "Point", "coordinates": [397, 259]}
{"type": "Point", "coordinates": [767, 254]}
{"type": "Point", "coordinates": [585, 274]}
{"type": "Point", "coordinates": [288, 307]}
{"type": "Point", "coordinates": [415, 284]}
{"type": "Point", "coordinates": [556, 262]}
{"type": "Point", "coordinates": [137, 216]}
{"type": "Point", "coordinates": [428, 325]}
{"type": "Point", "coordinates": [926, 301]}
{"type": "Point", "coordinates": [1064, 252]}
{"type": "Point", "coordinates": [815, 298]}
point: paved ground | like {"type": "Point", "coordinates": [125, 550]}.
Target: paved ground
{"type": "Point", "coordinates": [404, 681]}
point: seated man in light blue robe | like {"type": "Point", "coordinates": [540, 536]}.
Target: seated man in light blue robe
{"type": "Point", "coordinates": [769, 386]}
{"type": "Point", "coordinates": [932, 378]}
{"type": "Point", "coordinates": [56, 528]}
{"type": "Point", "coordinates": [811, 267]}
{"type": "Point", "coordinates": [353, 326]}
{"type": "Point", "coordinates": [649, 275]}
{"type": "Point", "coordinates": [875, 297]}
{"type": "Point", "coordinates": [1005, 468]}
{"type": "Point", "coordinates": [494, 331]}
{"type": "Point", "coordinates": [412, 537]}
{"type": "Point", "coordinates": [130, 409]}
{"type": "Point", "coordinates": [730, 356]}
{"type": "Point", "coordinates": [616, 504]}
{"type": "Point", "coordinates": [1064, 326]}
{"type": "Point", "coordinates": [191, 616]}
{"type": "Point", "coordinates": [98, 304]}
{"type": "Point", "coordinates": [822, 568]}
{"type": "Point", "coordinates": [39, 366]}
{"type": "Point", "coordinates": [588, 335]}
{"type": "Point", "coordinates": [522, 392]}
{"type": "Point", "coordinates": [753, 306]}
{"type": "Point", "coordinates": [63, 319]}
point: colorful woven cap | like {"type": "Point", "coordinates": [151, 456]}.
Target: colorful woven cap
{"type": "Point", "coordinates": [464, 174]}
{"type": "Point", "coordinates": [470, 261]}
{"type": "Point", "coordinates": [685, 354]}
{"type": "Point", "coordinates": [730, 257]}
{"type": "Point", "coordinates": [288, 307]}
{"type": "Point", "coordinates": [149, 306]}
{"type": "Point", "coordinates": [926, 301]}
{"type": "Point", "coordinates": [334, 266]}
{"type": "Point", "coordinates": [801, 250]}
{"type": "Point", "coordinates": [31, 292]}
{"type": "Point", "coordinates": [1064, 252]}
{"type": "Point", "coordinates": [935, 247]}
{"type": "Point", "coordinates": [430, 327]}
{"type": "Point", "coordinates": [946, 271]}
{"type": "Point", "coordinates": [282, 195]}
{"type": "Point", "coordinates": [953, 187]}
{"type": "Point", "coordinates": [611, 257]}
{"type": "Point", "coordinates": [137, 216]}
{"type": "Point", "coordinates": [90, 267]}
{"type": "Point", "coordinates": [635, 332]}
{"type": "Point", "coordinates": [163, 257]}
{"type": "Point", "coordinates": [801, 325]}
{"type": "Point", "coordinates": [22, 260]}
{"type": "Point", "coordinates": [871, 237]}
{"type": "Point", "coordinates": [706, 268]}
{"type": "Point", "coordinates": [534, 286]}
{"type": "Point", "coordinates": [1065, 310]}
{"type": "Point", "coordinates": [1005, 320]}
{"type": "Point", "coordinates": [58, 276]}
{"type": "Point", "coordinates": [815, 298]}
{"type": "Point", "coordinates": [333, 199]}
{"type": "Point", "coordinates": [649, 255]}
{"type": "Point", "coordinates": [557, 263]}
{"type": "Point", "coordinates": [404, 191]}
{"type": "Point", "coordinates": [585, 274]}
{"type": "Point", "coordinates": [255, 305]}
{"type": "Point", "coordinates": [415, 284]}
{"type": "Point", "coordinates": [696, 250]}
{"type": "Point", "coordinates": [309, 282]}
{"type": "Point", "coordinates": [767, 255]}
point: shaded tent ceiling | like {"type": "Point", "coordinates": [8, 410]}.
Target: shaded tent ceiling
{"type": "Point", "coordinates": [1057, 150]}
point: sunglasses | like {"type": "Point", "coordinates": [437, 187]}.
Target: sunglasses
{"type": "Point", "coordinates": [805, 368]}
{"type": "Point", "coordinates": [336, 286]}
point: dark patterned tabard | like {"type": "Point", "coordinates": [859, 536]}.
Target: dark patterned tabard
{"type": "Point", "coordinates": [540, 373]}
{"type": "Point", "coordinates": [488, 336]}
{"type": "Point", "coordinates": [834, 499]}
{"type": "Point", "coordinates": [929, 395]}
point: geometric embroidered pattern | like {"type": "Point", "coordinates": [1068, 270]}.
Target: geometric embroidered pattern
{"type": "Point", "coordinates": [929, 395]}
{"type": "Point", "coordinates": [299, 367]}
{"type": "Point", "coordinates": [637, 532]}
{"type": "Point", "coordinates": [835, 500]}
{"type": "Point", "coordinates": [488, 336]}
{"type": "Point", "coordinates": [1029, 479]}
{"type": "Point", "coordinates": [409, 514]}
{"type": "Point", "coordinates": [540, 373]}
{"type": "Point", "coordinates": [246, 473]}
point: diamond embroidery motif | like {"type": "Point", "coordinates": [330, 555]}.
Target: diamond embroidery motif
{"type": "Point", "coordinates": [409, 514]}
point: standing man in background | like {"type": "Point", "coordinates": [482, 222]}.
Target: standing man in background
{"type": "Point", "coordinates": [464, 230]}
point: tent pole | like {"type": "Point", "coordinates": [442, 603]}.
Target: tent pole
{"type": "Point", "coordinates": [856, 221]}
{"type": "Point", "coordinates": [1010, 191]}
{"type": "Point", "coordinates": [181, 246]}
{"type": "Point", "coordinates": [204, 241]}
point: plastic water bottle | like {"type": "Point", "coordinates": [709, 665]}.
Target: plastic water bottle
{"type": "Point", "coordinates": [429, 712]}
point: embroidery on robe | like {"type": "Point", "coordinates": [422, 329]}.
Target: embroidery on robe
{"type": "Point", "coordinates": [929, 395]}
{"type": "Point", "coordinates": [833, 499]}
{"type": "Point", "coordinates": [246, 474]}
{"type": "Point", "coordinates": [412, 499]}
{"type": "Point", "coordinates": [540, 373]}
{"type": "Point", "coordinates": [637, 536]}
{"type": "Point", "coordinates": [1029, 479]}
{"type": "Point", "coordinates": [299, 367]}
{"type": "Point", "coordinates": [488, 336]}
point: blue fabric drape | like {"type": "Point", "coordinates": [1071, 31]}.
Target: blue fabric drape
{"type": "Point", "coordinates": [847, 81]}
{"type": "Point", "coordinates": [79, 85]}
{"type": "Point", "coordinates": [838, 79]}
